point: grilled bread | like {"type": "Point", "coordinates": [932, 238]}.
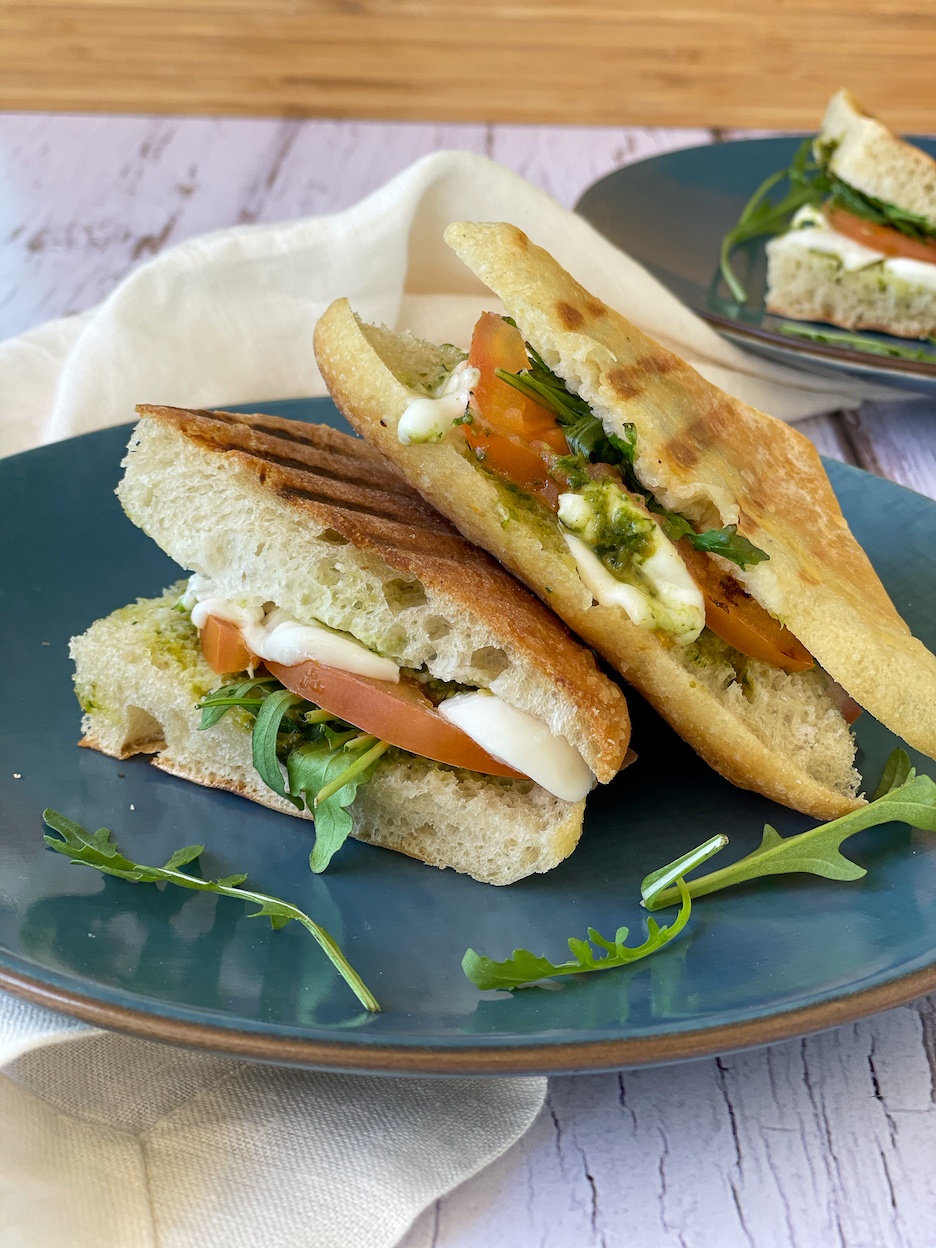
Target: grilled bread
{"type": "Point", "coordinates": [871, 158]}
{"type": "Point", "coordinates": [717, 462]}
{"type": "Point", "coordinates": [317, 523]}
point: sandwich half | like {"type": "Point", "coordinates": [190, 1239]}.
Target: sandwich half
{"type": "Point", "coordinates": [864, 257]}
{"type": "Point", "coordinates": [694, 542]}
{"type": "Point", "coordinates": [337, 629]}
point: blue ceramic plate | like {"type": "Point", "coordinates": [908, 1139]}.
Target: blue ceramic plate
{"type": "Point", "coordinates": [671, 212]}
{"type": "Point", "coordinates": [772, 959]}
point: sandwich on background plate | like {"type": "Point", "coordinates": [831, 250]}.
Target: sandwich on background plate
{"type": "Point", "coordinates": [861, 251]}
{"type": "Point", "coordinates": [411, 693]}
{"type": "Point", "coordinates": [695, 542]}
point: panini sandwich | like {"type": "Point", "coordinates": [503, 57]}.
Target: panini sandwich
{"type": "Point", "coordinates": [342, 653]}
{"type": "Point", "coordinates": [694, 542]}
{"type": "Point", "coordinates": [862, 252]}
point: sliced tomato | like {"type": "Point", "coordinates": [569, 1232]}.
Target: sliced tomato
{"type": "Point", "coordinates": [398, 713]}
{"type": "Point", "coordinates": [223, 646]}
{"type": "Point", "coordinates": [732, 614]}
{"type": "Point", "coordinates": [510, 434]}
{"type": "Point", "coordinates": [847, 706]}
{"type": "Point", "coordinates": [496, 344]}
{"type": "Point", "coordinates": [880, 237]}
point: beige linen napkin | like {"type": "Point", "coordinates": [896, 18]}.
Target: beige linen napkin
{"type": "Point", "coordinates": [228, 317]}
{"type": "Point", "coordinates": [110, 1142]}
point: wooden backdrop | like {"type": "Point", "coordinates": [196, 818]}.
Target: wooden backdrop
{"type": "Point", "coordinates": [760, 63]}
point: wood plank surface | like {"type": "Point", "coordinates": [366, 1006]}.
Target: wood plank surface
{"type": "Point", "coordinates": [721, 63]}
{"type": "Point", "coordinates": [825, 1142]}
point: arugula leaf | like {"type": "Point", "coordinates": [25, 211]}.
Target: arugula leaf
{"type": "Point", "coordinates": [99, 850]}
{"type": "Point", "coordinates": [265, 741]}
{"type": "Point", "coordinates": [217, 703]}
{"type": "Point", "coordinates": [897, 771]}
{"type": "Point", "coordinates": [523, 967]}
{"type": "Point", "coordinates": [761, 215]}
{"type": "Point", "coordinates": [859, 204]}
{"type": "Point", "coordinates": [326, 760]}
{"type": "Point", "coordinates": [818, 851]}
{"type": "Point", "coordinates": [872, 345]}
{"type": "Point", "coordinates": [314, 770]}
{"type": "Point", "coordinates": [728, 543]}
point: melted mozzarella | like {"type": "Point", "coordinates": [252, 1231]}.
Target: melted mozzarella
{"type": "Point", "coordinates": [429, 419]}
{"type": "Point", "coordinates": [810, 231]}
{"type": "Point", "coordinates": [522, 742]}
{"type": "Point", "coordinates": [278, 637]}
{"type": "Point", "coordinates": [661, 595]}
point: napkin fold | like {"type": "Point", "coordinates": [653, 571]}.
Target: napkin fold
{"type": "Point", "coordinates": [112, 1142]}
{"type": "Point", "coordinates": [107, 1141]}
{"type": "Point", "coordinates": [227, 317]}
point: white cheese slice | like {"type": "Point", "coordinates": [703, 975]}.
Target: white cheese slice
{"type": "Point", "coordinates": [521, 741]}
{"type": "Point", "coordinates": [280, 638]}
{"type": "Point", "coordinates": [430, 419]}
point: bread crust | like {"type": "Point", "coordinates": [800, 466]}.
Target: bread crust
{"type": "Point", "coordinates": [372, 399]}
{"type": "Point", "coordinates": [339, 483]}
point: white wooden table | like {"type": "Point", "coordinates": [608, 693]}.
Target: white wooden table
{"type": "Point", "coordinates": [828, 1142]}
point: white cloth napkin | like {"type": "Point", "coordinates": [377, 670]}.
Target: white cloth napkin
{"type": "Point", "coordinates": [111, 1142]}
{"type": "Point", "coordinates": [228, 317]}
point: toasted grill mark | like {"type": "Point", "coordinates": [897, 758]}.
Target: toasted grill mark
{"type": "Point", "coordinates": [631, 380]}
{"type": "Point", "coordinates": [339, 504]}
{"type": "Point", "coordinates": [312, 438]}
{"type": "Point", "coordinates": [570, 316]}
{"type": "Point", "coordinates": [627, 381]}
{"type": "Point", "coordinates": [685, 449]}
{"type": "Point", "coordinates": [351, 477]}
{"type": "Point", "coordinates": [595, 309]}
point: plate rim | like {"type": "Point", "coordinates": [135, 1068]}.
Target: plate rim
{"type": "Point", "coordinates": [732, 328]}
{"type": "Point", "coordinates": [585, 1057]}
{"type": "Point", "coordinates": [357, 1055]}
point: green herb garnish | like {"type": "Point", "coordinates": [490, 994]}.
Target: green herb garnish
{"type": "Point", "coordinates": [589, 443]}
{"type": "Point", "coordinates": [901, 797]}
{"type": "Point", "coordinates": [833, 339]}
{"type": "Point", "coordinates": [326, 760]}
{"type": "Point", "coordinates": [523, 968]}
{"type": "Point", "coordinates": [99, 850]}
{"type": "Point", "coordinates": [761, 215]}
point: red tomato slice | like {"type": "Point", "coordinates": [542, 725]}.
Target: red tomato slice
{"type": "Point", "coordinates": [495, 344]}
{"type": "Point", "coordinates": [398, 713]}
{"type": "Point", "coordinates": [224, 647]}
{"type": "Point", "coordinates": [739, 619]}
{"type": "Point", "coordinates": [880, 237]}
{"type": "Point", "coordinates": [511, 435]}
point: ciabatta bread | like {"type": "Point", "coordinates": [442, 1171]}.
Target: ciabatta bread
{"type": "Point", "coordinates": [321, 525]}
